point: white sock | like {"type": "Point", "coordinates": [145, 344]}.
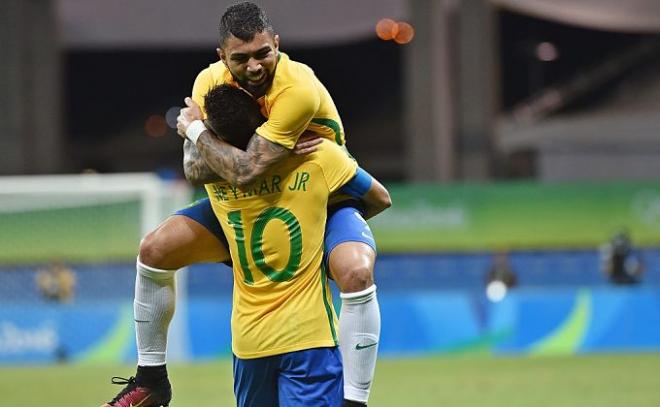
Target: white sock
{"type": "Point", "coordinates": [359, 333]}
{"type": "Point", "coordinates": [153, 310]}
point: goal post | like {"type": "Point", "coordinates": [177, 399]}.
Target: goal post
{"type": "Point", "coordinates": [90, 224]}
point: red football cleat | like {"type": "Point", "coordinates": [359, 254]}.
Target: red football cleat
{"type": "Point", "coordinates": [134, 395]}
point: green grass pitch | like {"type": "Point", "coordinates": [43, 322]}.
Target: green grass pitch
{"type": "Point", "coordinates": [602, 380]}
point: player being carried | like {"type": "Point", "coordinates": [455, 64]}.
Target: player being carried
{"type": "Point", "coordinates": [293, 101]}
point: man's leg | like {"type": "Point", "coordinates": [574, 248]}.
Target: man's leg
{"type": "Point", "coordinates": [192, 235]}
{"type": "Point", "coordinates": [178, 242]}
{"type": "Point", "coordinates": [153, 309]}
{"type": "Point", "coordinates": [351, 259]}
{"type": "Point", "coordinates": [181, 241]}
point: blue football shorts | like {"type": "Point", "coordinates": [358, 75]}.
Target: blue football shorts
{"type": "Point", "coordinates": [201, 212]}
{"type": "Point", "coordinates": [306, 378]}
{"type": "Point", "coordinates": [344, 224]}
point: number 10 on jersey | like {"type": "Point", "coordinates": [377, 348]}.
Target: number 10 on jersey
{"type": "Point", "coordinates": [255, 246]}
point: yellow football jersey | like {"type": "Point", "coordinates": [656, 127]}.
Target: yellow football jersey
{"type": "Point", "coordinates": [275, 229]}
{"type": "Point", "coordinates": [295, 102]}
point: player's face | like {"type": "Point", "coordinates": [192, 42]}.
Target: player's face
{"type": "Point", "coordinates": [252, 63]}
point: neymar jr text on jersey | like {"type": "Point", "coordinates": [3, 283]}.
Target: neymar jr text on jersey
{"type": "Point", "coordinates": [270, 185]}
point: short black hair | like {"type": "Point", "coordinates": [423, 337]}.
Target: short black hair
{"type": "Point", "coordinates": [232, 114]}
{"type": "Point", "coordinates": [243, 21]}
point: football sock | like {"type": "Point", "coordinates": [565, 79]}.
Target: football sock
{"type": "Point", "coordinates": [153, 310]}
{"type": "Point", "coordinates": [152, 376]}
{"type": "Point", "coordinates": [359, 333]}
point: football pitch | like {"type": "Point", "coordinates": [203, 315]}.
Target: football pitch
{"type": "Point", "coordinates": [597, 380]}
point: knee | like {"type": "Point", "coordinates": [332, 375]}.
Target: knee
{"type": "Point", "coordinates": [150, 252]}
{"type": "Point", "coordinates": [354, 277]}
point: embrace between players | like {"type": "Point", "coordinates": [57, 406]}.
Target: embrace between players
{"type": "Point", "coordinates": [265, 138]}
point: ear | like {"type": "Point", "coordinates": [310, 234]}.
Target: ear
{"type": "Point", "coordinates": [209, 126]}
{"type": "Point", "coordinates": [276, 41]}
{"type": "Point", "coordinates": [221, 55]}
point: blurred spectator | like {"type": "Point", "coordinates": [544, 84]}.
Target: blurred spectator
{"type": "Point", "coordinates": [501, 271]}
{"type": "Point", "coordinates": [500, 277]}
{"type": "Point", "coordinates": [57, 282]}
{"type": "Point", "coordinates": [619, 262]}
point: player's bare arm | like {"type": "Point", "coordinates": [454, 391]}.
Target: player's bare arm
{"type": "Point", "coordinates": [228, 162]}
{"type": "Point", "coordinates": [369, 191]}
{"type": "Point", "coordinates": [195, 169]}
{"type": "Point", "coordinates": [241, 168]}
{"type": "Point", "coordinates": [376, 200]}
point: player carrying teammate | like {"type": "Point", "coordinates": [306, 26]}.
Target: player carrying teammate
{"type": "Point", "coordinates": [283, 323]}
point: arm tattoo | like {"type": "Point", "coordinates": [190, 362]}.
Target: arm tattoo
{"type": "Point", "coordinates": [195, 169]}
{"type": "Point", "coordinates": [241, 168]}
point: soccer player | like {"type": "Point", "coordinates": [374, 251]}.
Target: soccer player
{"type": "Point", "coordinates": [283, 323]}
{"type": "Point", "coordinates": [294, 101]}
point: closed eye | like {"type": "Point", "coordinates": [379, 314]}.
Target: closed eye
{"type": "Point", "coordinates": [239, 58]}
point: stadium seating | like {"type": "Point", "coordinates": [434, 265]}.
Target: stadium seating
{"type": "Point", "coordinates": [457, 271]}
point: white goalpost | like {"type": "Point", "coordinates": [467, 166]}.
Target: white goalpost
{"type": "Point", "coordinates": [88, 219]}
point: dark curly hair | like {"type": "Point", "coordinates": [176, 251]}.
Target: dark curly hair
{"type": "Point", "coordinates": [232, 114]}
{"type": "Point", "coordinates": [243, 21]}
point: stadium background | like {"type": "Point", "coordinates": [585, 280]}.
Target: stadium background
{"type": "Point", "coordinates": [525, 127]}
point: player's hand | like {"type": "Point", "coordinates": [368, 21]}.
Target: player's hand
{"type": "Point", "coordinates": [187, 115]}
{"type": "Point", "coordinates": [307, 143]}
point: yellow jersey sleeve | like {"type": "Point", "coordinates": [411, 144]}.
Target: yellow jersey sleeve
{"type": "Point", "coordinates": [337, 166]}
{"type": "Point", "coordinates": [203, 84]}
{"type": "Point", "coordinates": [292, 111]}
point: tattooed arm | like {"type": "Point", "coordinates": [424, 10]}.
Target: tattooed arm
{"type": "Point", "coordinates": [196, 170]}
{"type": "Point", "coordinates": [240, 168]}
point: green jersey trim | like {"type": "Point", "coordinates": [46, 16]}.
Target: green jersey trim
{"type": "Point", "coordinates": [328, 308]}
{"type": "Point", "coordinates": [333, 125]}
